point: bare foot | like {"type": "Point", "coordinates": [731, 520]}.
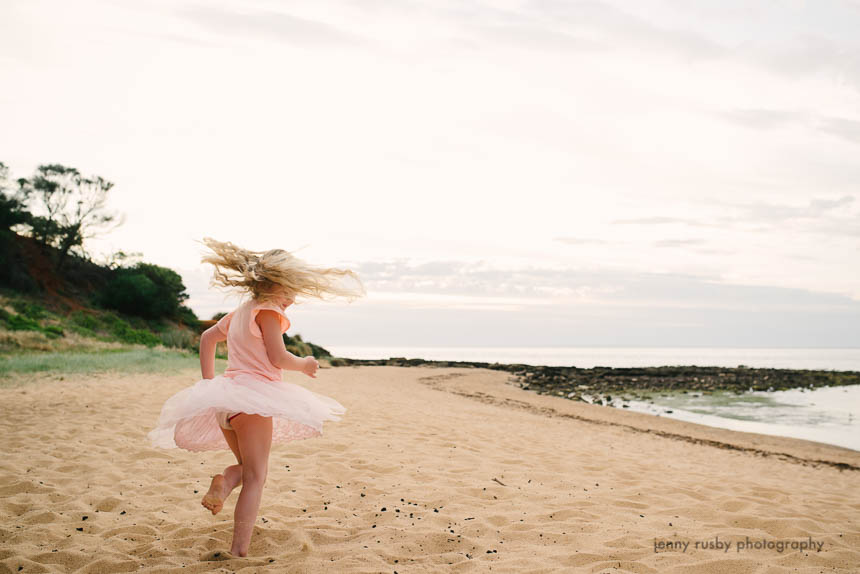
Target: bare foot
{"type": "Point", "coordinates": [218, 493]}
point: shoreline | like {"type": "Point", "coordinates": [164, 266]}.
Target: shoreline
{"type": "Point", "coordinates": [790, 449]}
{"type": "Point", "coordinates": [577, 383]}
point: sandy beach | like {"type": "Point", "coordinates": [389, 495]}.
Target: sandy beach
{"type": "Point", "coordinates": [430, 470]}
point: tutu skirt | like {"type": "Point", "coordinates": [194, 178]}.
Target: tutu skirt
{"type": "Point", "coordinates": [188, 418]}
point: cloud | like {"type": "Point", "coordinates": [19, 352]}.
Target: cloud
{"type": "Point", "coordinates": [800, 40]}
{"type": "Point", "coordinates": [816, 208]}
{"type": "Point", "coordinates": [278, 25]}
{"type": "Point", "coordinates": [655, 220]}
{"type": "Point", "coordinates": [664, 220]}
{"type": "Point", "coordinates": [580, 241]}
{"type": "Point", "coordinates": [848, 227]}
{"type": "Point", "coordinates": [612, 27]}
{"type": "Point", "coordinates": [819, 215]}
{"type": "Point", "coordinates": [764, 119]}
{"type": "Point", "coordinates": [814, 55]}
{"type": "Point", "coordinates": [823, 205]}
{"type": "Point", "coordinates": [180, 39]}
{"type": "Point", "coordinates": [536, 36]}
{"type": "Point", "coordinates": [642, 326]}
{"type": "Point", "coordinates": [449, 303]}
{"type": "Point", "coordinates": [678, 242]}
{"type": "Point", "coordinates": [561, 307]}
{"type": "Point", "coordinates": [577, 286]}
{"type": "Point", "coordinates": [796, 40]}
{"type": "Point", "coordinates": [841, 127]}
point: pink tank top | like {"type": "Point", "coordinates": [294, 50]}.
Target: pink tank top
{"type": "Point", "coordinates": [246, 351]}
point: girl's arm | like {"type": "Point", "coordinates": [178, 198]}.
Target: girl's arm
{"type": "Point", "coordinates": [270, 326]}
{"type": "Point", "coordinates": [208, 340]}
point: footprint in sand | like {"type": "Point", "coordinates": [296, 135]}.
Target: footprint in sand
{"type": "Point", "coordinates": [217, 556]}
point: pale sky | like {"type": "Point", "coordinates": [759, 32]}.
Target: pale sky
{"type": "Point", "coordinates": [544, 173]}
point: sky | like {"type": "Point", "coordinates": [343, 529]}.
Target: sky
{"type": "Point", "coordinates": [542, 173]}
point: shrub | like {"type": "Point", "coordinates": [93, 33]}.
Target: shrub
{"type": "Point", "coordinates": [132, 293]}
{"type": "Point", "coordinates": [148, 291]}
{"type": "Point", "coordinates": [179, 338]}
{"type": "Point", "coordinates": [318, 351]}
{"type": "Point", "coordinates": [113, 325]}
{"type": "Point", "coordinates": [21, 322]}
{"type": "Point", "coordinates": [53, 330]}
{"type": "Point", "coordinates": [127, 334]}
{"type": "Point", "coordinates": [85, 321]}
{"type": "Point", "coordinates": [302, 348]}
{"type": "Point", "coordinates": [18, 322]}
{"type": "Point", "coordinates": [188, 318]}
{"type": "Point", "coordinates": [30, 310]}
{"type": "Point", "coordinates": [296, 346]}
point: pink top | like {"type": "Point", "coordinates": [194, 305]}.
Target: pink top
{"type": "Point", "coordinates": [246, 351]}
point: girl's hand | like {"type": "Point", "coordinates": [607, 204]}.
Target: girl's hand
{"type": "Point", "coordinates": [311, 366]}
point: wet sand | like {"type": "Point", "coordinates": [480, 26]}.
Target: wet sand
{"type": "Point", "coordinates": [430, 470]}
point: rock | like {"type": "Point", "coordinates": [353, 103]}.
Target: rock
{"type": "Point", "coordinates": [603, 381]}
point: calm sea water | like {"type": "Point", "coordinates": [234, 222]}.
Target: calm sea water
{"type": "Point", "coordinates": [828, 415]}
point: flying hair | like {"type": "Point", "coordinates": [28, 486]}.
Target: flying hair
{"type": "Point", "coordinates": [267, 274]}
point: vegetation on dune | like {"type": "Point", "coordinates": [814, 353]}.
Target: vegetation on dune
{"type": "Point", "coordinates": [45, 221]}
{"type": "Point", "coordinates": [301, 348]}
{"type": "Point", "coordinates": [28, 325]}
{"type": "Point", "coordinates": [57, 301]}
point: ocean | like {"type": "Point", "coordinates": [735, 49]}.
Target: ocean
{"type": "Point", "coordinates": [827, 415]}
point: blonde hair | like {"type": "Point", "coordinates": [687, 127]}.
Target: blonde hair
{"type": "Point", "coordinates": [267, 274]}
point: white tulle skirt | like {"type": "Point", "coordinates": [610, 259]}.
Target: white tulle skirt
{"type": "Point", "coordinates": [188, 418]}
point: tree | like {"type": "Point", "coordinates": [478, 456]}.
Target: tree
{"type": "Point", "coordinates": [12, 210]}
{"type": "Point", "coordinates": [12, 213]}
{"type": "Point", "coordinates": [67, 208]}
{"type": "Point", "coordinates": [120, 258]}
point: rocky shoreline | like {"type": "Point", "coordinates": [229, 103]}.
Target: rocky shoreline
{"type": "Point", "coordinates": [599, 384]}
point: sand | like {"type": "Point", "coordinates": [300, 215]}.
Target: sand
{"type": "Point", "coordinates": [430, 470]}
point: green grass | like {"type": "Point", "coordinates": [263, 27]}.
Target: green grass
{"type": "Point", "coordinates": [122, 360]}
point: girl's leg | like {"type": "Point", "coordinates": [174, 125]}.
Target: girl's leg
{"type": "Point", "coordinates": [254, 433]}
{"type": "Point", "coordinates": [223, 484]}
{"type": "Point", "coordinates": [233, 442]}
